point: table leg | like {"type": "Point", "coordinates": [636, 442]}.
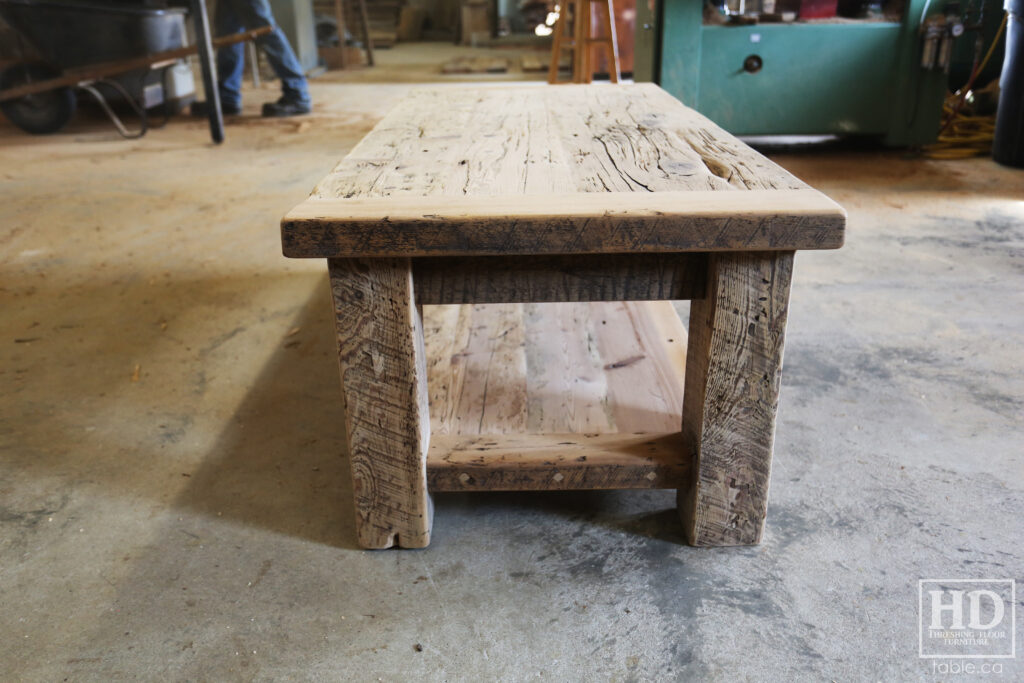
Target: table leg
{"type": "Point", "coordinates": [733, 368]}
{"type": "Point", "coordinates": [384, 382]}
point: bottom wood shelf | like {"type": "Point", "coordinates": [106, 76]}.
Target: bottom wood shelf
{"type": "Point", "coordinates": [555, 396]}
{"type": "Point", "coordinates": [599, 367]}
{"type": "Point", "coordinates": [556, 462]}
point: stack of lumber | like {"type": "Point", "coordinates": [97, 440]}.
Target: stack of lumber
{"type": "Point", "coordinates": [538, 62]}
{"type": "Point", "coordinates": [475, 65]}
{"type": "Point", "coordinates": [383, 15]}
{"type": "Point", "coordinates": [475, 22]}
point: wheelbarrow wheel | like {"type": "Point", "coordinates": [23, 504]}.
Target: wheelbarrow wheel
{"type": "Point", "coordinates": [39, 113]}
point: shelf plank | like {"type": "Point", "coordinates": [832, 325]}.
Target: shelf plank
{"type": "Point", "coordinates": [599, 367]}
{"type": "Point", "coordinates": [555, 396]}
{"type": "Point", "coordinates": [556, 462]}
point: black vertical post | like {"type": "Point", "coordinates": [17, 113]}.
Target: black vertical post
{"type": "Point", "coordinates": [367, 40]}
{"type": "Point", "coordinates": [205, 45]}
{"type": "Point", "coordinates": [1008, 146]}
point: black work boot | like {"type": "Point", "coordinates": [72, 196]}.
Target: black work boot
{"type": "Point", "coordinates": [286, 107]}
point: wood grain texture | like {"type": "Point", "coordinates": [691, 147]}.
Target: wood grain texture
{"type": "Point", "coordinates": [733, 368]}
{"type": "Point", "coordinates": [723, 155]}
{"type": "Point", "coordinates": [599, 223]}
{"type": "Point", "coordinates": [384, 384]}
{"type": "Point", "coordinates": [493, 395]}
{"type": "Point", "coordinates": [554, 462]}
{"type": "Point", "coordinates": [614, 277]}
{"type": "Point", "coordinates": [447, 331]}
{"type": "Point", "coordinates": [545, 140]}
{"type": "Point", "coordinates": [566, 381]}
{"type": "Point", "coordinates": [645, 364]}
{"type": "Point", "coordinates": [555, 368]}
{"type": "Point", "coordinates": [521, 396]}
{"type": "Point", "coordinates": [445, 171]}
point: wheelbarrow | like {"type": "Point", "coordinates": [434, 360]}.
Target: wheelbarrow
{"type": "Point", "coordinates": [85, 45]}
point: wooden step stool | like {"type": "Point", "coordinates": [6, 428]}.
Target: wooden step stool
{"type": "Point", "coordinates": [581, 193]}
{"type": "Point", "coordinates": [576, 14]}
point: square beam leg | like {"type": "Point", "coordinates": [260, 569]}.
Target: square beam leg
{"type": "Point", "coordinates": [731, 394]}
{"type": "Point", "coordinates": [384, 382]}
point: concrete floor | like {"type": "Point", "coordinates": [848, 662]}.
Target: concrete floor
{"type": "Point", "coordinates": [174, 495]}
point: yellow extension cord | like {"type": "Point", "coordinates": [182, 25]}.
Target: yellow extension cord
{"type": "Point", "coordinates": [963, 135]}
{"type": "Point", "coordinates": [967, 136]}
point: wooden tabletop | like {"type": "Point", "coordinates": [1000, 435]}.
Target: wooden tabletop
{"type": "Point", "coordinates": [571, 169]}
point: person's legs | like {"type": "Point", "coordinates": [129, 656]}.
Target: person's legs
{"type": "Point", "coordinates": [279, 52]}
{"type": "Point", "coordinates": [230, 59]}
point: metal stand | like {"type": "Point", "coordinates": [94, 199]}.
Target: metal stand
{"type": "Point", "coordinates": [203, 41]}
{"type": "Point", "coordinates": [114, 118]}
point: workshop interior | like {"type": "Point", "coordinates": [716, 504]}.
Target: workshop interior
{"type": "Point", "coordinates": [512, 340]}
{"type": "Point", "coordinates": [908, 73]}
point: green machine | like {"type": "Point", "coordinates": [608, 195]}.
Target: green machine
{"type": "Point", "coordinates": [839, 76]}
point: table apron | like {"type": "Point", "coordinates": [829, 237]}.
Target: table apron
{"type": "Point", "coordinates": [538, 279]}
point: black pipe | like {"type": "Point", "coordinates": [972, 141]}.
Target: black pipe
{"type": "Point", "coordinates": [203, 42]}
{"type": "Point", "coordinates": [1008, 146]}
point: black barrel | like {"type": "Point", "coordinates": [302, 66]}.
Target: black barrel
{"type": "Point", "coordinates": [1008, 146]}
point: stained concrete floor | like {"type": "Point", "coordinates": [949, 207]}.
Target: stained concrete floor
{"type": "Point", "coordinates": [174, 500]}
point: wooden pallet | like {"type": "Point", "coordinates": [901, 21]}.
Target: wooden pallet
{"type": "Point", "coordinates": [383, 16]}
{"type": "Point", "coordinates": [475, 65]}
{"type": "Point", "coordinates": [555, 396]}
{"type": "Point", "coordinates": [537, 62]}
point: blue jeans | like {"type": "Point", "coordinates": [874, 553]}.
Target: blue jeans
{"type": "Point", "coordinates": [234, 16]}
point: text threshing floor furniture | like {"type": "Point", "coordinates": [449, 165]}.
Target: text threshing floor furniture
{"type": "Point", "coordinates": [579, 193]}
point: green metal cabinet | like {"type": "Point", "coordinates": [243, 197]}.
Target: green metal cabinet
{"type": "Point", "coordinates": [816, 78]}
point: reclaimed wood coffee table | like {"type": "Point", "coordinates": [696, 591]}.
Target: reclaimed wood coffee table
{"type": "Point", "coordinates": [578, 193]}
